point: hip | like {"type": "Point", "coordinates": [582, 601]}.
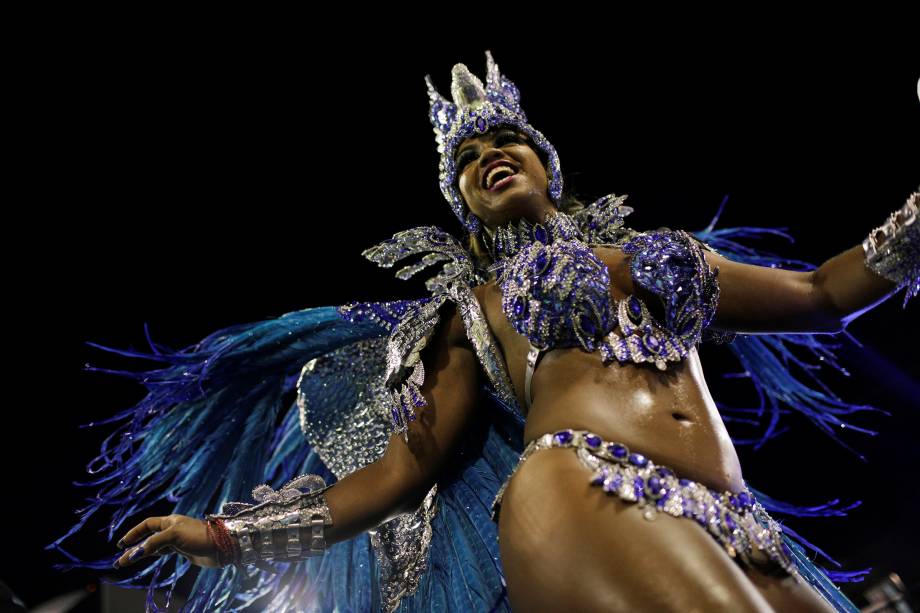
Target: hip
{"type": "Point", "coordinates": [733, 518]}
{"type": "Point", "coordinates": [636, 537]}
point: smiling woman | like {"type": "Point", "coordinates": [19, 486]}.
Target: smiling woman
{"type": "Point", "coordinates": [502, 144]}
{"type": "Point", "coordinates": [567, 392]}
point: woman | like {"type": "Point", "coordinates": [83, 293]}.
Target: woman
{"type": "Point", "coordinates": [565, 360]}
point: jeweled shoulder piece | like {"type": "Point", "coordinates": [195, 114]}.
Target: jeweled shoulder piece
{"type": "Point", "coordinates": [439, 245]}
{"type": "Point", "coordinates": [603, 221]}
{"type": "Point", "coordinates": [405, 371]}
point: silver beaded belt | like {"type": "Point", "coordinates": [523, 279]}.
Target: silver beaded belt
{"type": "Point", "coordinates": [735, 519]}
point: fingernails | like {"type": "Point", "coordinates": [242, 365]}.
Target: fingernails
{"type": "Point", "coordinates": [120, 544]}
{"type": "Point", "coordinates": [136, 553]}
{"type": "Point", "coordinates": [115, 565]}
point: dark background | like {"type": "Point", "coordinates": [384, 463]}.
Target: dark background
{"type": "Point", "coordinates": [192, 180]}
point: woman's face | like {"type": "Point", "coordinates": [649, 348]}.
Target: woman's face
{"type": "Point", "coordinates": [524, 195]}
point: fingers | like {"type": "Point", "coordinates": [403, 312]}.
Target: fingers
{"type": "Point", "coordinates": [142, 530]}
{"type": "Point", "coordinates": [151, 546]}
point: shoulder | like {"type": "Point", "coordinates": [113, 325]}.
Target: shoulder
{"type": "Point", "coordinates": [451, 328]}
{"type": "Point", "coordinates": [483, 289]}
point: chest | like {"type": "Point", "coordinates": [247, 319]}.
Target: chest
{"type": "Point", "coordinates": [514, 346]}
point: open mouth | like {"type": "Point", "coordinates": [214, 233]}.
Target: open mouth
{"type": "Point", "coordinates": [500, 183]}
{"type": "Point", "coordinates": [499, 176]}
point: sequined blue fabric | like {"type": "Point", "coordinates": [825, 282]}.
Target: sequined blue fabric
{"type": "Point", "coordinates": [555, 291]}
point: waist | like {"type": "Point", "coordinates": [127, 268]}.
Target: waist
{"type": "Point", "coordinates": [632, 475]}
{"type": "Point", "coordinates": [673, 424]}
{"type": "Point", "coordinates": [614, 451]}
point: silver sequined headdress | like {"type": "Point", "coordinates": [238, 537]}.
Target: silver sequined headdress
{"type": "Point", "coordinates": [475, 110]}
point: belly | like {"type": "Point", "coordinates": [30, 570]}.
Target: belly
{"type": "Point", "coordinates": [669, 416]}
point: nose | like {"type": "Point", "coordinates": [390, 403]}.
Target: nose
{"type": "Point", "coordinates": [489, 155]}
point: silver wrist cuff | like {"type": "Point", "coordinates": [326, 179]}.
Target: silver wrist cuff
{"type": "Point", "coordinates": [892, 250]}
{"type": "Point", "coordinates": [255, 526]}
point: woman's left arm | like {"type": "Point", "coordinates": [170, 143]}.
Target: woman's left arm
{"type": "Point", "coordinates": [763, 300]}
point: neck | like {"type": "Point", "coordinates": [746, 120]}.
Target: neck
{"type": "Point", "coordinates": [506, 240]}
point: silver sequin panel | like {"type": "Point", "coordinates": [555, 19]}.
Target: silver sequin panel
{"type": "Point", "coordinates": [355, 432]}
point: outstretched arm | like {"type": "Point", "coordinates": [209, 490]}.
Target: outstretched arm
{"type": "Point", "coordinates": [763, 300]}
{"type": "Point", "coordinates": [395, 484]}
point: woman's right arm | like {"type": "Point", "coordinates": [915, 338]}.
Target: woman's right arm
{"type": "Point", "coordinates": [399, 481]}
{"type": "Point", "coordinates": [394, 484]}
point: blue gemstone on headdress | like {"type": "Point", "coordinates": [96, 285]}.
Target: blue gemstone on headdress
{"type": "Point", "coordinates": [520, 307]}
{"type": "Point", "coordinates": [593, 440]}
{"type": "Point", "coordinates": [637, 459]}
{"type": "Point", "coordinates": [651, 341]}
{"type": "Point", "coordinates": [684, 482]}
{"type": "Point", "coordinates": [481, 124]}
{"type": "Point", "coordinates": [664, 472]}
{"type": "Point", "coordinates": [616, 450]}
{"type": "Point", "coordinates": [563, 437]}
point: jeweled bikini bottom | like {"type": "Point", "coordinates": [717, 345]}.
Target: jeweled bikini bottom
{"type": "Point", "coordinates": [736, 520]}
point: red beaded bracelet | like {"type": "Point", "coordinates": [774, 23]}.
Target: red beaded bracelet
{"type": "Point", "coordinates": [226, 550]}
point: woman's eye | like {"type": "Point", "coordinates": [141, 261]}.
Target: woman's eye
{"type": "Point", "coordinates": [504, 137]}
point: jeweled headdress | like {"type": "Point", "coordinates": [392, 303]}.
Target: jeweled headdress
{"type": "Point", "coordinates": [475, 110]}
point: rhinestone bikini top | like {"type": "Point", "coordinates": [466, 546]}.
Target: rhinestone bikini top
{"type": "Point", "coordinates": [555, 292]}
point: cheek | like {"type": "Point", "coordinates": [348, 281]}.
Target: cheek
{"type": "Point", "coordinates": [463, 184]}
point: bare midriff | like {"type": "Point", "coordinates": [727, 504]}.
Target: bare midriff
{"type": "Point", "coordinates": [667, 415]}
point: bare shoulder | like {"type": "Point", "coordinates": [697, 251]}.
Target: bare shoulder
{"type": "Point", "coordinates": [609, 254]}
{"type": "Point", "coordinates": [483, 288]}
{"type": "Point", "coordinates": [487, 292]}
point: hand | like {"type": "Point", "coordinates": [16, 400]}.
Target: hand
{"type": "Point", "coordinates": [174, 533]}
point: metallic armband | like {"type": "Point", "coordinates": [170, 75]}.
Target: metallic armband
{"type": "Point", "coordinates": [254, 527]}
{"type": "Point", "coordinates": [893, 249]}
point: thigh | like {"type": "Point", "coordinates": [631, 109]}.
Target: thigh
{"type": "Point", "coordinates": [566, 545]}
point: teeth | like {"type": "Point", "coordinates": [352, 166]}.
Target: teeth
{"type": "Point", "coordinates": [494, 171]}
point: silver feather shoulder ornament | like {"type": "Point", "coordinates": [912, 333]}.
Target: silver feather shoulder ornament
{"type": "Point", "coordinates": [405, 372]}
{"type": "Point", "coordinates": [439, 246]}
